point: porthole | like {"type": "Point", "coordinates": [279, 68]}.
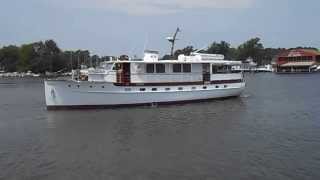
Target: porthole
{"type": "Point", "coordinates": [78, 86]}
{"type": "Point", "coordinates": [128, 89]}
{"type": "Point", "coordinates": [90, 86]}
{"type": "Point", "coordinates": [167, 89]}
{"type": "Point", "coordinates": [180, 88]}
{"type": "Point", "coordinates": [217, 86]}
{"type": "Point", "coordinates": [194, 88]}
{"type": "Point", "coordinates": [102, 86]}
{"type": "Point", "coordinates": [204, 87]}
{"type": "Point", "coordinates": [225, 86]}
{"type": "Point", "coordinates": [142, 89]}
{"type": "Point", "coordinates": [154, 89]}
{"type": "Point", "coordinates": [69, 85]}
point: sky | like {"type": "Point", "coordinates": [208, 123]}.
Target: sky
{"type": "Point", "coordinates": [114, 27]}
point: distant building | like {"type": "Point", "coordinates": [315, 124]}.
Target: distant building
{"type": "Point", "coordinates": [297, 61]}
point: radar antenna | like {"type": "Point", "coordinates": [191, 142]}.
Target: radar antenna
{"type": "Point", "coordinates": [173, 39]}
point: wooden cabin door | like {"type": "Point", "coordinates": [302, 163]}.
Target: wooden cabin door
{"type": "Point", "coordinates": [206, 73]}
{"type": "Point", "coordinates": [124, 74]}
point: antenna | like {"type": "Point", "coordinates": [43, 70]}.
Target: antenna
{"type": "Point", "coordinates": [173, 39]}
{"type": "Point", "coordinates": [198, 50]}
{"type": "Point", "coordinates": [145, 43]}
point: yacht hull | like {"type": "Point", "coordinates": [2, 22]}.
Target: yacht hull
{"type": "Point", "coordinates": [73, 94]}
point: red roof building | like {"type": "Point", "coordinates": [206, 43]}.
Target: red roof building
{"type": "Point", "coordinates": [297, 61]}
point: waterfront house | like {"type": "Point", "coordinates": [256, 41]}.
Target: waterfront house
{"type": "Point", "coordinates": [297, 61]}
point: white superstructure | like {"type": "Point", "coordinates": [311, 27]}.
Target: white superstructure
{"type": "Point", "coordinates": [150, 80]}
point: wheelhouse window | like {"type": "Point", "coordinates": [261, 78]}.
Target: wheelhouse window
{"type": "Point", "coordinates": [186, 68]}
{"type": "Point", "coordinates": [160, 68]}
{"type": "Point", "coordinates": [150, 68]}
{"type": "Point", "coordinates": [221, 69]}
{"type": "Point", "coordinates": [176, 68]}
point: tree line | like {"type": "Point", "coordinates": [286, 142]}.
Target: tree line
{"type": "Point", "coordinates": [253, 48]}
{"type": "Point", "coordinates": [41, 57]}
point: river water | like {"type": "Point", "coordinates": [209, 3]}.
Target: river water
{"type": "Point", "coordinates": [271, 132]}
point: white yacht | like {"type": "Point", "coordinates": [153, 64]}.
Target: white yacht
{"type": "Point", "coordinates": [148, 81]}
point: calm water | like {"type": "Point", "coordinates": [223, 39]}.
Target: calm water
{"type": "Point", "coordinates": [271, 132]}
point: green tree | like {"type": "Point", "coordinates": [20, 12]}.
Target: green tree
{"type": "Point", "coordinates": [95, 59]}
{"type": "Point", "coordinates": [186, 51]}
{"type": "Point", "coordinates": [9, 57]}
{"type": "Point", "coordinates": [219, 48]}
{"type": "Point", "coordinates": [268, 54]}
{"type": "Point", "coordinates": [26, 55]}
{"type": "Point", "coordinates": [251, 48]}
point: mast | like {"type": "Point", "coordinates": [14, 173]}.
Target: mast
{"type": "Point", "coordinates": [172, 40]}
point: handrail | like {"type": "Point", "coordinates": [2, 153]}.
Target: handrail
{"type": "Point", "coordinates": [166, 74]}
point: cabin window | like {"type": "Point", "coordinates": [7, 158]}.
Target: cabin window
{"type": "Point", "coordinates": [102, 86]}
{"type": "Point", "coordinates": [154, 89]}
{"type": "Point", "coordinates": [221, 69]}
{"type": "Point", "coordinates": [176, 68]}
{"type": "Point", "coordinates": [127, 89]}
{"type": "Point", "coordinates": [167, 89]}
{"type": "Point", "coordinates": [214, 69]}
{"type": "Point", "coordinates": [186, 68]}
{"type": "Point", "coordinates": [204, 87]}
{"type": "Point", "coordinates": [69, 85]}
{"type": "Point", "coordinates": [180, 88]}
{"type": "Point", "coordinates": [217, 86]}
{"type": "Point", "coordinates": [318, 58]}
{"type": "Point", "coordinates": [160, 68]}
{"type": "Point", "coordinates": [194, 88]}
{"type": "Point", "coordinates": [142, 89]}
{"type": "Point", "coordinates": [225, 86]}
{"type": "Point", "coordinates": [150, 68]}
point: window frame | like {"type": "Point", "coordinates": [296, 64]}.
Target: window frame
{"type": "Point", "coordinates": [186, 68]}
{"type": "Point", "coordinates": [162, 69]}
{"type": "Point", "coordinates": [148, 66]}
{"type": "Point", "coordinates": [221, 69]}
{"type": "Point", "coordinates": [177, 65]}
